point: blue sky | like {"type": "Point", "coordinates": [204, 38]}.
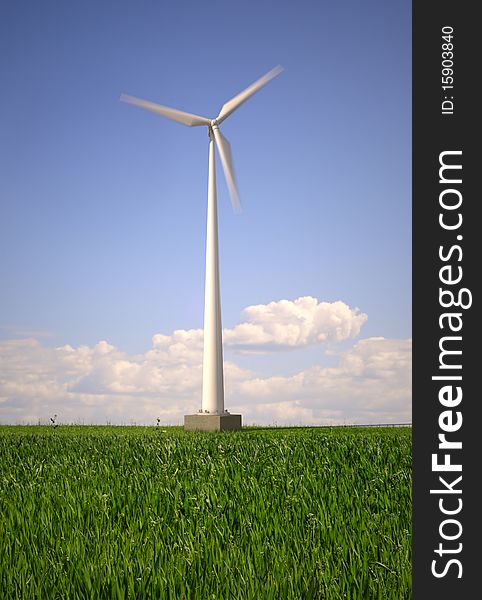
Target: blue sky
{"type": "Point", "coordinates": [103, 205]}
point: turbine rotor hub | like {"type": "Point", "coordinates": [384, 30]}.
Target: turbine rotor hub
{"type": "Point", "coordinates": [214, 123]}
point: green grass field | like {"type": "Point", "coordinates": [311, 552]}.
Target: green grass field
{"type": "Point", "coordinates": [146, 512]}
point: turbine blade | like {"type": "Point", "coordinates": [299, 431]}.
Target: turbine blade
{"type": "Point", "coordinates": [171, 113]}
{"type": "Point", "coordinates": [236, 102]}
{"type": "Point", "coordinates": [224, 148]}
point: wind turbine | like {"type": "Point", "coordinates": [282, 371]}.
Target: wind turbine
{"type": "Point", "coordinates": [212, 415]}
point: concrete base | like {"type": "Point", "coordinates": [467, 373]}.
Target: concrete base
{"type": "Point", "coordinates": [207, 422]}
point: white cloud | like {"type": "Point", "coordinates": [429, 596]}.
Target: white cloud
{"type": "Point", "coordinates": [293, 324]}
{"type": "Point", "coordinates": [371, 382]}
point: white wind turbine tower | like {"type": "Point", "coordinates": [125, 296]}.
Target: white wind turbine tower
{"type": "Point", "coordinates": [212, 416]}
